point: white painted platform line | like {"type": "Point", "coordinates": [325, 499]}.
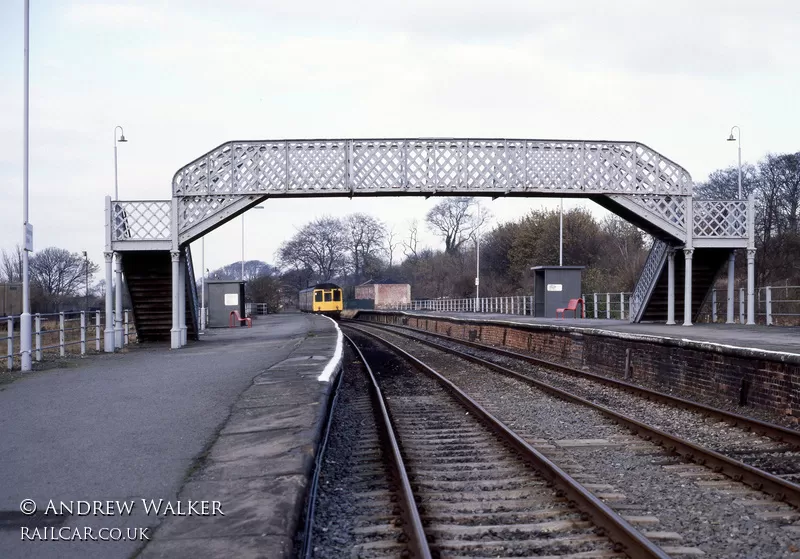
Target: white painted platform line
{"type": "Point", "coordinates": [337, 355]}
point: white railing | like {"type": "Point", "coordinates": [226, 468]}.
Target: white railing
{"type": "Point", "coordinates": [775, 305]}
{"type": "Point", "coordinates": [255, 309]}
{"type": "Point", "coordinates": [56, 334]}
{"type": "Point", "coordinates": [598, 305]}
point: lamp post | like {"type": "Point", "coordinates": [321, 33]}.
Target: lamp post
{"type": "Point", "coordinates": [255, 208]}
{"type": "Point", "coordinates": [118, 333]}
{"type": "Point", "coordinates": [86, 272]}
{"type": "Point", "coordinates": [731, 138]}
{"type": "Point", "coordinates": [25, 336]}
{"type": "Point", "coordinates": [121, 140]}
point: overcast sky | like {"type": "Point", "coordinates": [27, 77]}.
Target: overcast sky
{"type": "Point", "coordinates": [184, 76]}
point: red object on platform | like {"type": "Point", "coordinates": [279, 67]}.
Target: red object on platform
{"type": "Point", "coordinates": [573, 306]}
{"type": "Point", "coordinates": [235, 316]}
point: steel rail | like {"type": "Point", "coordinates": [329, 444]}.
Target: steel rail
{"type": "Point", "coordinates": [626, 538]}
{"type": "Point", "coordinates": [771, 430]}
{"type": "Point", "coordinates": [780, 489]}
{"type": "Point", "coordinates": [418, 542]}
{"type": "Point", "coordinates": [308, 531]}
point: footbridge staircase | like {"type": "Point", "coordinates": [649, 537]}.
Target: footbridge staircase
{"type": "Point", "coordinates": [628, 178]}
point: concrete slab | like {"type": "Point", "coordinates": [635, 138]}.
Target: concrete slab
{"type": "Point", "coordinates": [261, 463]}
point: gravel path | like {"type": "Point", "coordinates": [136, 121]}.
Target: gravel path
{"type": "Point", "coordinates": [698, 507]}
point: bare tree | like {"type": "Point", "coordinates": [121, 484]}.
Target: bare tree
{"type": "Point", "coordinates": [59, 274]}
{"type": "Point", "coordinates": [11, 265]}
{"type": "Point", "coordinates": [456, 220]}
{"type": "Point", "coordinates": [365, 236]}
{"type": "Point", "coordinates": [392, 242]}
{"type": "Point", "coordinates": [410, 246]}
{"type": "Point", "coordinates": [320, 246]}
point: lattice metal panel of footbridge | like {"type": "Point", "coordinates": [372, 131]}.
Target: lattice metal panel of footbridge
{"type": "Point", "coordinates": [629, 178]}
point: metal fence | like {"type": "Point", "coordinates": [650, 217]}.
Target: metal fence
{"type": "Point", "coordinates": [57, 334]}
{"type": "Point", "coordinates": [598, 305]}
{"type": "Point", "coordinates": [776, 305]}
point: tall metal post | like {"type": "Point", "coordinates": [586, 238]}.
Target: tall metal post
{"type": "Point", "coordinates": [751, 260]}
{"type": "Point", "coordinates": [731, 260]}
{"type": "Point", "coordinates": [25, 319]}
{"type": "Point", "coordinates": [671, 286]}
{"type": "Point", "coordinates": [118, 333]}
{"type": "Point", "coordinates": [242, 247]}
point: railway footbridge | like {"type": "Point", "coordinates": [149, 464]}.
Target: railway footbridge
{"type": "Point", "coordinates": [694, 238]}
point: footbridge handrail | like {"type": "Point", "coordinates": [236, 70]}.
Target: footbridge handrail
{"type": "Point", "coordinates": [431, 164]}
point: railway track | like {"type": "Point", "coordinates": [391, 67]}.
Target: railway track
{"type": "Point", "coordinates": [480, 489]}
{"type": "Point", "coordinates": [771, 522]}
{"type": "Point", "coordinates": [764, 455]}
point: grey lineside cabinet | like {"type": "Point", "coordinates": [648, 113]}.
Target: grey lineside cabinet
{"type": "Point", "coordinates": [222, 297]}
{"type": "Point", "coordinates": [553, 287]}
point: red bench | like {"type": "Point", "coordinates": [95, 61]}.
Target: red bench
{"type": "Point", "coordinates": [573, 306]}
{"type": "Point", "coordinates": [235, 316]}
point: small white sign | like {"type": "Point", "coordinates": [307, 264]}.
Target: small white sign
{"type": "Point", "coordinates": [477, 281]}
{"type": "Point", "coordinates": [231, 299]}
{"type": "Point", "coordinates": [28, 232]}
{"type": "Point", "coordinates": [554, 287]}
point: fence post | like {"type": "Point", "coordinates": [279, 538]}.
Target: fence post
{"type": "Point", "coordinates": [741, 305]}
{"type": "Point", "coordinates": [83, 332]}
{"type": "Point", "coordinates": [38, 337]}
{"type": "Point", "coordinates": [61, 349]}
{"type": "Point", "coordinates": [622, 306]}
{"type": "Point", "coordinates": [608, 305]}
{"type": "Point", "coordinates": [10, 343]}
{"type": "Point", "coordinates": [97, 330]}
{"type": "Point", "coordinates": [594, 295]}
{"type": "Point", "coordinates": [769, 305]}
{"type": "Point", "coordinates": [713, 305]}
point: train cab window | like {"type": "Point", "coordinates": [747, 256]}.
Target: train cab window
{"type": "Point", "coordinates": [318, 296]}
{"type": "Point", "coordinates": [337, 294]}
{"type": "Point", "coordinates": [327, 296]}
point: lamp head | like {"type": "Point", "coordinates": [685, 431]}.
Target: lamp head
{"type": "Point", "coordinates": [84, 254]}
{"type": "Point", "coordinates": [122, 138]}
{"type": "Point", "coordinates": [731, 138]}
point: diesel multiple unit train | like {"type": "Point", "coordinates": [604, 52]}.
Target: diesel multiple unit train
{"type": "Point", "coordinates": [323, 298]}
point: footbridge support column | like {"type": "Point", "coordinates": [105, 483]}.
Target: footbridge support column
{"type": "Point", "coordinates": [671, 286]}
{"type": "Point", "coordinates": [751, 259]}
{"type": "Point", "coordinates": [182, 299]}
{"type": "Point", "coordinates": [687, 287]}
{"type": "Point", "coordinates": [175, 333]}
{"type": "Point", "coordinates": [108, 333]}
{"type": "Point", "coordinates": [731, 260]}
{"type": "Point", "coordinates": [118, 333]}
{"type": "Point", "coordinates": [688, 251]}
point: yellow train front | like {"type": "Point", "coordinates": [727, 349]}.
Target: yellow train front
{"type": "Point", "coordinates": [323, 298]}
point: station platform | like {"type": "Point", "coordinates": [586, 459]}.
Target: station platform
{"type": "Point", "coordinates": [724, 365]}
{"type": "Point", "coordinates": [235, 418]}
{"type": "Point", "coordinates": [778, 339]}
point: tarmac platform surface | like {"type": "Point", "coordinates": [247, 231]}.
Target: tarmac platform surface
{"type": "Point", "coordinates": [766, 338]}
{"type": "Point", "coordinates": [233, 418]}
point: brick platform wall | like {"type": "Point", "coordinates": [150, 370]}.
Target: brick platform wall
{"type": "Point", "coordinates": [690, 369]}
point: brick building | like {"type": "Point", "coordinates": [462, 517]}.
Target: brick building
{"type": "Point", "coordinates": [385, 295]}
